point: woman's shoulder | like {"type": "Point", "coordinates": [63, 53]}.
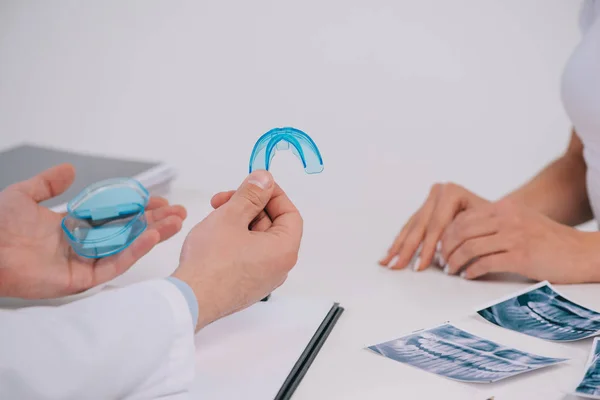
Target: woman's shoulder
{"type": "Point", "coordinates": [589, 12]}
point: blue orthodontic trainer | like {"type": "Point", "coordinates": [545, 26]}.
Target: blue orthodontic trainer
{"type": "Point", "coordinates": [301, 144]}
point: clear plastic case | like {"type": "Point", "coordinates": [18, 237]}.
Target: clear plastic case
{"type": "Point", "coordinates": [106, 217]}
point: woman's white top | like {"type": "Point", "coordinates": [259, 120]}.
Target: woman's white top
{"type": "Point", "coordinates": [581, 96]}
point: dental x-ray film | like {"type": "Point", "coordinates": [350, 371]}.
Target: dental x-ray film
{"type": "Point", "coordinates": [543, 313]}
{"type": "Point", "coordinates": [590, 384]}
{"type": "Point", "coordinates": [456, 354]}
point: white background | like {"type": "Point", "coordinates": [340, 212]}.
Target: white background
{"type": "Point", "coordinates": [397, 94]}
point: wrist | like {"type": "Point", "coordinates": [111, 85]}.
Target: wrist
{"type": "Point", "coordinates": [207, 310]}
{"type": "Point", "coordinates": [520, 197]}
{"type": "Point", "coordinates": [592, 256]}
{"type": "Point", "coordinates": [189, 296]}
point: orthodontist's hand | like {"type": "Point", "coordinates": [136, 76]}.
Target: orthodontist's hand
{"type": "Point", "coordinates": [243, 250]}
{"type": "Point", "coordinates": [260, 223]}
{"type": "Point", "coordinates": [36, 261]}
{"type": "Point", "coordinates": [426, 227]}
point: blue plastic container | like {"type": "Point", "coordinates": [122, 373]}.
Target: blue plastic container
{"type": "Point", "coordinates": [106, 217]}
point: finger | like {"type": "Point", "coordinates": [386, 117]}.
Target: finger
{"type": "Point", "coordinates": [168, 227]}
{"type": "Point", "coordinates": [395, 248]}
{"type": "Point", "coordinates": [221, 198]}
{"type": "Point", "coordinates": [156, 202]}
{"type": "Point", "coordinates": [415, 236]}
{"type": "Point", "coordinates": [451, 202]}
{"type": "Point", "coordinates": [468, 225]}
{"type": "Point", "coordinates": [438, 259]}
{"type": "Point", "coordinates": [409, 248]}
{"type": "Point", "coordinates": [252, 197]}
{"type": "Point", "coordinates": [472, 249]}
{"type": "Point", "coordinates": [280, 204]}
{"type": "Point", "coordinates": [110, 267]}
{"type": "Point", "coordinates": [161, 213]}
{"type": "Point", "coordinates": [49, 183]}
{"type": "Point", "coordinates": [284, 215]}
{"type": "Point", "coordinates": [498, 262]}
{"type": "Point", "coordinates": [261, 223]}
{"type": "Point", "coordinates": [444, 212]}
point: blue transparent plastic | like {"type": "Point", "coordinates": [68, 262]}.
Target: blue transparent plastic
{"type": "Point", "coordinates": [301, 144]}
{"type": "Point", "coordinates": [106, 217]}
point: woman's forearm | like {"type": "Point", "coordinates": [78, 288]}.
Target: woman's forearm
{"type": "Point", "coordinates": [559, 190]}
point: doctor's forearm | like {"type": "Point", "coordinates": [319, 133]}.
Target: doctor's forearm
{"type": "Point", "coordinates": [559, 190]}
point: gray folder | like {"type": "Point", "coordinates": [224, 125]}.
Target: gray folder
{"type": "Point", "coordinates": [24, 161]}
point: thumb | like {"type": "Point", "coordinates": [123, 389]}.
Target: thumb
{"type": "Point", "coordinates": [252, 196]}
{"type": "Point", "coordinates": [49, 183]}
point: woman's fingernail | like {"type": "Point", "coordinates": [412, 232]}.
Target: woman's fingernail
{"type": "Point", "coordinates": [463, 274]}
{"type": "Point", "coordinates": [438, 246]}
{"type": "Point", "coordinates": [417, 264]}
{"type": "Point", "coordinates": [441, 257]}
{"type": "Point", "coordinates": [447, 269]}
{"type": "Point", "coordinates": [393, 261]}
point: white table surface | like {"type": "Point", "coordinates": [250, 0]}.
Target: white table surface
{"type": "Point", "coordinates": [338, 261]}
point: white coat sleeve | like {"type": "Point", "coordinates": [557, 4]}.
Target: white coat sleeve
{"type": "Point", "coordinates": [135, 342]}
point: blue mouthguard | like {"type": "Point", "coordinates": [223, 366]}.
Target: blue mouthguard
{"type": "Point", "coordinates": [302, 146]}
{"type": "Point", "coordinates": [106, 217]}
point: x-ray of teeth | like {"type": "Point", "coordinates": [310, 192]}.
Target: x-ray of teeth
{"type": "Point", "coordinates": [543, 313]}
{"type": "Point", "coordinates": [590, 384]}
{"type": "Point", "coordinates": [459, 355]}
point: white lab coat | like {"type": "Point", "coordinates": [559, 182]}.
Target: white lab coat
{"type": "Point", "coordinates": [135, 342]}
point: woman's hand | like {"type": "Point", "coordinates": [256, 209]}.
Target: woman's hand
{"type": "Point", "coordinates": [426, 227]}
{"type": "Point", "coordinates": [36, 261]}
{"type": "Point", "coordinates": [508, 237]}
